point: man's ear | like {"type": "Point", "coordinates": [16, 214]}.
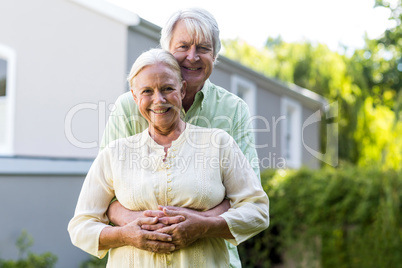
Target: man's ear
{"type": "Point", "coordinates": [183, 89]}
{"type": "Point", "coordinates": [135, 97]}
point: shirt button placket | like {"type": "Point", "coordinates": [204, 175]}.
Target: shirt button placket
{"type": "Point", "coordinates": [169, 260]}
{"type": "Point", "coordinates": [169, 160]}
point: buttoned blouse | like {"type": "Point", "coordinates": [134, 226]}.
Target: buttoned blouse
{"type": "Point", "coordinates": [200, 169]}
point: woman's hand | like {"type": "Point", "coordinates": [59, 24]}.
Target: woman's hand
{"type": "Point", "coordinates": [133, 235]}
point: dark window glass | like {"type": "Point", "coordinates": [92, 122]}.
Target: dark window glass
{"type": "Point", "coordinates": [3, 77]}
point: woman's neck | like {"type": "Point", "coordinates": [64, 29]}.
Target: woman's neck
{"type": "Point", "coordinates": [165, 137]}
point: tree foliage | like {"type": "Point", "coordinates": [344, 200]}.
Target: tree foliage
{"type": "Point", "coordinates": [366, 85]}
{"type": "Point", "coordinates": [330, 218]}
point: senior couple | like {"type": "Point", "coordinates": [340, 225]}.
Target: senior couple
{"type": "Point", "coordinates": [167, 214]}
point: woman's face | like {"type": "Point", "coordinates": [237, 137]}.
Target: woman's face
{"type": "Point", "coordinates": [195, 57]}
{"type": "Point", "coordinates": [158, 93]}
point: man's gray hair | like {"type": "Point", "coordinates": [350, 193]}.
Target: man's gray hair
{"type": "Point", "coordinates": [200, 24]}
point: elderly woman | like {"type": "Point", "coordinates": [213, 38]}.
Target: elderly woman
{"type": "Point", "coordinates": [192, 36]}
{"type": "Point", "coordinates": [172, 163]}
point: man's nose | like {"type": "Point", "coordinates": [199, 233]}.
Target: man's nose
{"type": "Point", "coordinates": [192, 55]}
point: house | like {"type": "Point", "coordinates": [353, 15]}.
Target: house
{"type": "Point", "coordinates": [63, 63]}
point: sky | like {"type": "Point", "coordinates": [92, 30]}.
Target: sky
{"type": "Point", "coordinates": [332, 22]}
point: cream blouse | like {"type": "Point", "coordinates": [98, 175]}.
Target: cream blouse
{"type": "Point", "coordinates": [201, 167]}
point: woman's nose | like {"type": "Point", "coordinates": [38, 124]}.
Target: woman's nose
{"type": "Point", "coordinates": [159, 98]}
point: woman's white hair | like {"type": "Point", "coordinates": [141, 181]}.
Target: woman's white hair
{"type": "Point", "coordinates": [200, 24]}
{"type": "Point", "coordinates": [152, 57]}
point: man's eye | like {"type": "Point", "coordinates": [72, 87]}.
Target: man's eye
{"type": "Point", "coordinates": [146, 91]}
{"type": "Point", "coordinates": [204, 49]}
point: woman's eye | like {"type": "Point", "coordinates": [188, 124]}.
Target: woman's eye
{"type": "Point", "coordinates": [182, 48]}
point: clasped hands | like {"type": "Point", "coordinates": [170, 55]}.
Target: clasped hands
{"type": "Point", "coordinates": [164, 230]}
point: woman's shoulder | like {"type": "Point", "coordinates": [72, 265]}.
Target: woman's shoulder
{"type": "Point", "coordinates": [132, 142]}
{"type": "Point", "coordinates": [215, 135]}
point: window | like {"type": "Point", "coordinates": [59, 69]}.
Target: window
{"type": "Point", "coordinates": [291, 135]}
{"type": "Point", "coordinates": [7, 89]}
{"type": "Point", "coordinates": [3, 77]}
{"type": "Point", "coordinates": [246, 90]}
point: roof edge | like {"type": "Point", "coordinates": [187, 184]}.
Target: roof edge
{"type": "Point", "coordinates": [309, 97]}
{"type": "Point", "coordinates": [43, 166]}
{"type": "Point", "coordinates": [110, 10]}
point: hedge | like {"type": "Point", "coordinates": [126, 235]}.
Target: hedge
{"type": "Point", "coordinates": [345, 217]}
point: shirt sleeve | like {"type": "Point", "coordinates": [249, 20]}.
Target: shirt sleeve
{"type": "Point", "coordinates": [244, 136]}
{"type": "Point", "coordinates": [90, 213]}
{"type": "Point", "coordinates": [249, 212]}
{"type": "Point", "coordinates": [124, 120]}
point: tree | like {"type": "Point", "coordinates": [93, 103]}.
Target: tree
{"type": "Point", "coordinates": [366, 85]}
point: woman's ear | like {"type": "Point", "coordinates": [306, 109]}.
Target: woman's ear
{"type": "Point", "coordinates": [135, 97]}
{"type": "Point", "coordinates": [183, 89]}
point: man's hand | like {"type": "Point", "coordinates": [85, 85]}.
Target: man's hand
{"type": "Point", "coordinates": [194, 227]}
{"type": "Point", "coordinates": [163, 219]}
{"type": "Point", "coordinates": [186, 232]}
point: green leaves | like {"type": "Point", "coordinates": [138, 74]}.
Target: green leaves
{"type": "Point", "coordinates": [28, 259]}
{"type": "Point", "coordinates": [367, 86]}
{"type": "Point", "coordinates": [337, 217]}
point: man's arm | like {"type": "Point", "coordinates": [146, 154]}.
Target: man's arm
{"type": "Point", "coordinates": [121, 216]}
{"type": "Point", "coordinates": [243, 134]}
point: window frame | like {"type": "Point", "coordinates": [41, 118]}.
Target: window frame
{"type": "Point", "coordinates": [8, 54]}
{"type": "Point", "coordinates": [294, 159]}
{"type": "Point", "coordinates": [251, 91]}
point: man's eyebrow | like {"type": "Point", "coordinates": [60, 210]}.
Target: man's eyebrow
{"type": "Point", "coordinates": [184, 42]}
{"type": "Point", "coordinates": [207, 44]}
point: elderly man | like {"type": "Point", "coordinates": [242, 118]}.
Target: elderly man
{"type": "Point", "coordinates": [192, 36]}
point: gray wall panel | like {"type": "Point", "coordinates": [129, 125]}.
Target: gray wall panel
{"type": "Point", "coordinates": [43, 205]}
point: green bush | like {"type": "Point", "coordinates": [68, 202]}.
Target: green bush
{"type": "Point", "coordinates": [346, 217]}
{"type": "Point", "coordinates": [94, 262]}
{"type": "Point", "coordinates": [24, 242]}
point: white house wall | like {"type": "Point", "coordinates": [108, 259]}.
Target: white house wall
{"type": "Point", "coordinates": [66, 56]}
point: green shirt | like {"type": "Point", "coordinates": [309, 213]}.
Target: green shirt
{"type": "Point", "coordinates": [213, 107]}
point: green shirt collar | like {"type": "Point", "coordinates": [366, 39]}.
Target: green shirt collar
{"type": "Point", "coordinates": [202, 95]}
{"type": "Point", "coordinates": [200, 98]}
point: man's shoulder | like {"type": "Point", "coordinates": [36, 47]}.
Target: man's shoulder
{"type": "Point", "coordinates": [216, 134]}
{"type": "Point", "coordinates": [125, 105]}
{"type": "Point", "coordinates": [224, 96]}
{"type": "Point", "coordinates": [125, 99]}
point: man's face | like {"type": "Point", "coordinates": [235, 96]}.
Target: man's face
{"type": "Point", "coordinates": [195, 57]}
